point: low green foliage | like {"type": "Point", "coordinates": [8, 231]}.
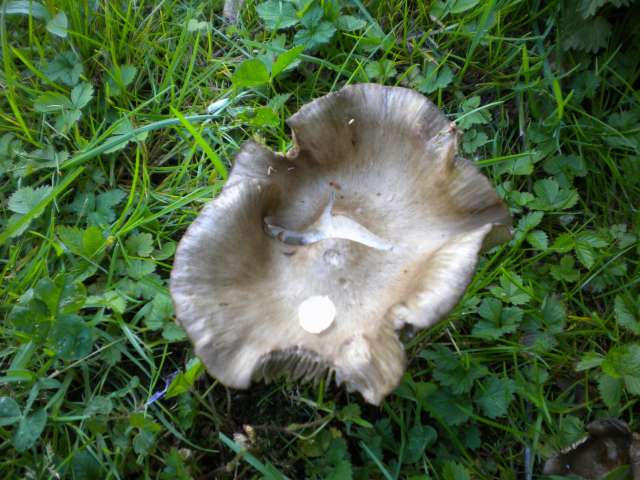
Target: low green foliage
{"type": "Point", "coordinates": [119, 120]}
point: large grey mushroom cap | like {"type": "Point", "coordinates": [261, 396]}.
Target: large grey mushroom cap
{"type": "Point", "coordinates": [371, 212]}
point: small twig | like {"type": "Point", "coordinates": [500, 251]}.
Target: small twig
{"type": "Point", "coordinates": [294, 427]}
{"type": "Point", "coordinates": [528, 464]}
{"type": "Point", "coordinates": [228, 401]}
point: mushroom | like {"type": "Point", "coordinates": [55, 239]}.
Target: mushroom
{"type": "Point", "coordinates": [609, 445]}
{"type": "Point", "coordinates": [311, 262]}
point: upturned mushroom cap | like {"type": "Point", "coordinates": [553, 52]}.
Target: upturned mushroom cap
{"type": "Point", "coordinates": [310, 262]}
{"type": "Point", "coordinates": [608, 445]}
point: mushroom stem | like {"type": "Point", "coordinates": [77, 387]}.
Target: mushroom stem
{"type": "Point", "coordinates": [328, 226]}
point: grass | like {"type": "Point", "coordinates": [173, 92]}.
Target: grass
{"type": "Point", "coordinates": [119, 120]}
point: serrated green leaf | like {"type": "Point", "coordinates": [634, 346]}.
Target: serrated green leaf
{"type": "Point", "coordinates": [85, 243]}
{"type": "Point", "coordinates": [510, 292]}
{"type": "Point", "coordinates": [61, 296]}
{"type": "Point", "coordinates": [173, 332]}
{"type": "Point", "coordinates": [471, 437]}
{"type": "Point", "coordinates": [9, 411]}
{"type": "Point", "coordinates": [571, 430]}
{"type": "Point", "coordinates": [92, 241]}
{"type": "Point", "coordinates": [444, 358]}
{"type": "Point", "coordinates": [454, 471]}
{"type": "Point", "coordinates": [591, 239]}
{"type": "Point", "coordinates": [462, 376]}
{"type": "Point", "coordinates": [312, 16]}
{"type": "Point", "coordinates": [472, 140]}
{"type": "Point", "coordinates": [9, 146]}
{"type": "Point", "coordinates": [71, 337]}
{"type": "Point", "coordinates": [419, 438]}
{"type": "Point", "coordinates": [85, 467]}
{"type": "Point", "coordinates": [119, 77]}
{"type": "Point", "coordinates": [537, 374]}
{"type": "Point", "coordinates": [166, 250]}
{"type": "Point", "coordinates": [81, 95]}
{"type": "Point", "coordinates": [568, 166]}
{"type": "Point", "coordinates": [140, 245]}
{"type": "Point", "coordinates": [105, 203]}
{"type": "Point", "coordinates": [29, 430]}
{"type": "Point", "coordinates": [335, 464]}
{"type": "Point", "coordinates": [277, 14]}
{"type": "Point", "coordinates": [530, 221]}
{"type": "Point", "coordinates": [538, 240]}
{"type": "Point", "coordinates": [32, 320]}
{"type": "Point", "coordinates": [585, 255]}
{"type": "Point", "coordinates": [564, 271]}
{"type": "Point", "coordinates": [139, 269]}
{"type": "Point", "coordinates": [315, 36]}
{"type": "Point", "coordinates": [99, 405]}
{"type": "Point", "coordinates": [317, 32]}
{"type": "Point", "coordinates": [538, 340]}
{"type": "Point", "coordinates": [158, 311]}
{"type": "Point", "coordinates": [25, 199]}
{"type": "Point", "coordinates": [491, 309]}
{"type": "Point", "coordinates": [589, 360]}
{"type": "Point", "coordinates": [111, 299]}
{"type": "Point", "coordinates": [494, 396]}
{"type": "Point", "coordinates": [553, 315]}
{"type": "Point", "coordinates": [127, 74]}
{"type": "Point", "coordinates": [47, 157]}
{"type": "Point", "coordinates": [381, 69]}
{"type": "Point", "coordinates": [350, 412]}
{"type": "Point", "coordinates": [564, 243]}
{"type": "Point", "coordinates": [58, 25]}
{"type": "Point", "coordinates": [185, 380]}
{"type": "Point", "coordinates": [52, 102]}
{"type": "Point", "coordinates": [66, 67]}
{"type": "Point", "coordinates": [175, 468]}
{"type": "Point", "coordinates": [193, 25]}
{"type": "Point", "coordinates": [349, 23]}
{"type": "Point", "coordinates": [27, 7]}
{"type": "Point", "coordinates": [449, 408]}
{"type": "Point", "coordinates": [442, 8]}
{"type": "Point", "coordinates": [497, 321]}
{"type": "Point", "coordinates": [610, 390]}
{"type": "Point", "coordinates": [13, 219]}
{"type": "Point", "coordinates": [285, 60]}
{"type": "Point", "coordinates": [549, 196]}
{"type": "Point", "coordinates": [50, 293]}
{"type": "Point", "coordinates": [434, 78]}
{"type": "Point", "coordinates": [250, 73]}
{"type": "Point", "coordinates": [588, 8]}
{"type": "Point", "coordinates": [587, 35]}
{"type": "Point", "coordinates": [623, 362]}
{"type": "Point", "coordinates": [459, 6]}
{"type": "Point", "coordinates": [585, 86]}
{"type": "Point", "coordinates": [472, 114]}
{"type": "Point", "coordinates": [66, 119]}
{"type": "Point", "coordinates": [625, 316]}
{"type": "Point", "coordinates": [520, 165]}
{"type": "Point", "coordinates": [143, 442]}
{"type": "Point", "coordinates": [632, 383]}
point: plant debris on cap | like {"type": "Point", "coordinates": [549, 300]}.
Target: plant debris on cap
{"type": "Point", "coordinates": [609, 445]}
{"type": "Point", "coordinates": [310, 263]}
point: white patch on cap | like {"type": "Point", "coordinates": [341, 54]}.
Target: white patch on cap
{"type": "Point", "coordinates": [316, 313]}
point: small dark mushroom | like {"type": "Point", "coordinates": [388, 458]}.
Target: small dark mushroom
{"type": "Point", "coordinates": [608, 445]}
